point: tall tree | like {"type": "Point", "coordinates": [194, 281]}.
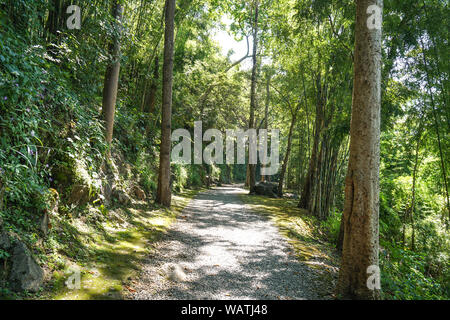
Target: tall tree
{"type": "Point", "coordinates": [112, 74]}
{"type": "Point", "coordinates": [252, 167]}
{"type": "Point", "coordinates": [308, 190]}
{"type": "Point", "coordinates": [164, 193]}
{"type": "Point", "coordinates": [288, 148]}
{"type": "Point", "coordinates": [266, 114]}
{"type": "Point", "coordinates": [55, 18]}
{"type": "Point", "coordinates": [361, 209]}
{"type": "Point", "coordinates": [150, 98]}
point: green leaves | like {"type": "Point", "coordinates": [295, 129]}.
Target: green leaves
{"type": "Point", "coordinates": [405, 276]}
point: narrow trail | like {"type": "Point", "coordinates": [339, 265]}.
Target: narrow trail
{"type": "Point", "coordinates": [224, 251]}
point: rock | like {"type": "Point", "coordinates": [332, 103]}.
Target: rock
{"type": "Point", "coordinates": [26, 274]}
{"type": "Point", "coordinates": [79, 195]}
{"type": "Point", "coordinates": [121, 197]}
{"type": "Point", "coordinates": [267, 189]}
{"type": "Point", "coordinates": [139, 193]}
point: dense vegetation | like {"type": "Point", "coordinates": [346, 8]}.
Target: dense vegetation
{"type": "Point", "coordinates": [52, 113]}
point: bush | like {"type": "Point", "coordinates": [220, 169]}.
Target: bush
{"type": "Point", "coordinates": [332, 225]}
{"type": "Point", "coordinates": [404, 276]}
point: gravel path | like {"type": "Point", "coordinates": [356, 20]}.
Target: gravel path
{"type": "Point", "coordinates": [219, 249]}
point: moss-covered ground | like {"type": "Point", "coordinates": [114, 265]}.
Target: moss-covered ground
{"type": "Point", "coordinates": [107, 254]}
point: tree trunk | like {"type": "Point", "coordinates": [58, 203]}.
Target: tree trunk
{"type": "Point", "coordinates": [266, 114]}
{"type": "Point", "coordinates": [340, 239]}
{"type": "Point", "coordinates": [361, 209]}
{"type": "Point", "coordinates": [55, 17]}
{"type": "Point", "coordinates": [288, 151]}
{"type": "Point", "coordinates": [252, 167]}
{"type": "Point", "coordinates": [436, 123]}
{"type": "Point", "coordinates": [307, 190]}
{"type": "Point", "coordinates": [164, 194]}
{"type": "Point", "coordinates": [150, 100]}
{"type": "Point", "coordinates": [112, 77]}
{"type": "Point", "coordinates": [413, 198]}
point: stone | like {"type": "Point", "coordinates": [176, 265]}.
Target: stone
{"type": "Point", "coordinates": [267, 189]}
{"type": "Point", "coordinates": [26, 274]}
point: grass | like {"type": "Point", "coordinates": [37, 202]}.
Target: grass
{"type": "Point", "coordinates": [107, 254]}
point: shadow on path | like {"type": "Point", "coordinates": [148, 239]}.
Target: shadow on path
{"type": "Point", "coordinates": [224, 251]}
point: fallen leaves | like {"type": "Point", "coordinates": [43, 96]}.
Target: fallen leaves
{"type": "Point", "coordinates": [130, 289]}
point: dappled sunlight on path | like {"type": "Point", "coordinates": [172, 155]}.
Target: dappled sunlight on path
{"type": "Point", "coordinates": [223, 250]}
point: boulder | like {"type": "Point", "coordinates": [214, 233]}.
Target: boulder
{"type": "Point", "coordinates": [26, 274]}
{"type": "Point", "coordinates": [267, 189]}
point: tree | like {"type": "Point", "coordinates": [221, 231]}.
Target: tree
{"type": "Point", "coordinates": [164, 193]}
{"type": "Point", "coordinates": [55, 18]}
{"type": "Point", "coordinates": [112, 75]}
{"type": "Point", "coordinates": [266, 114]}
{"type": "Point", "coordinates": [361, 209]}
{"type": "Point", "coordinates": [288, 148]}
{"type": "Point", "coordinates": [150, 98]}
{"type": "Point", "coordinates": [252, 167]}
